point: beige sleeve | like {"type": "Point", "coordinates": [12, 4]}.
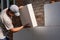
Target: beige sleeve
{"type": "Point", "coordinates": [8, 24]}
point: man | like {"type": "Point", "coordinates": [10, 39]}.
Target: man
{"type": "Point", "coordinates": [6, 16]}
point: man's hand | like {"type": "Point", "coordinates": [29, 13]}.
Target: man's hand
{"type": "Point", "coordinates": [27, 25]}
{"type": "Point", "coordinates": [21, 7]}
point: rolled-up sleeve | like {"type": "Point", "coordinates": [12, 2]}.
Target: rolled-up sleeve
{"type": "Point", "coordinates": [8, 24]}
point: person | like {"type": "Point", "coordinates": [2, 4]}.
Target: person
{"type": "Point", "coordinates": [6, 18]}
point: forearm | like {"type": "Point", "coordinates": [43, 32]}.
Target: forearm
{"type": "Point", "coordinates": [17, 29]}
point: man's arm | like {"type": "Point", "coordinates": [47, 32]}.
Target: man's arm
{"type": "Point", "coordinates": [16, 29]}
{"type": "Point", "coordinates": [9, 26]}
{"type": "Point", "coordinates": [20, 28]}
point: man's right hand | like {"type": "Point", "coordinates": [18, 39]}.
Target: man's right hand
{"type": "Point", "coordinates": [27, 25]}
